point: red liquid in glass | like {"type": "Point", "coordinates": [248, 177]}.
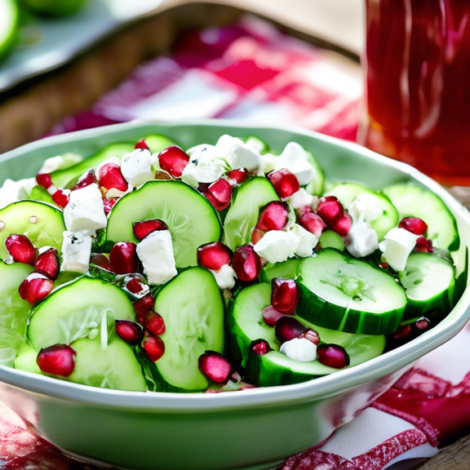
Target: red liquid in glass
{"type": "Point", "coordinates": [418, 85]}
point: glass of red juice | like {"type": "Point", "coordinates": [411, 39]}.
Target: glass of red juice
{"type": "Point", "coordinates": [417, 100]}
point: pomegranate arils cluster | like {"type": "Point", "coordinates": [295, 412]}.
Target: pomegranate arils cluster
{"type": "Point", "coordinates": [334, 216]}
{"type": "Point", "coordinates": [110, 177]}
{"type": "Point", "coordinates": [47, 263]}
{"type": "Point", "coordinates": [215, 366]}
{"type": "Point", "coordinates": [333, 355]}
{"type": "Point", "coordinates": [312, 222]}
{"type": "Point", "coordinates": [285, 295]}
{"type": "Point", "coordinates": [213, 255]}
{"type": "Point", "coordinates": [424, 245]}
{"type": "Point", "coordinates": [20, 249]}
{"type": "Point", "coordinates": [246, 263]}
{"type": "Point", "coordinates": [219, 194]}
{"type": "Point", "coordinates": [123, 258]}
{"type": "Point", "coordinates": [273, 216]}
{"type": "Point", "coordinates": [173, 160]}
{"type": "Point", "coordinates": [237, 177]}
{"type": "Point", "coordinates": [59, 196]}
{"type": "Point", "coordinates": [285, 183]}
{"type": "Point", "coordinates": [145, 227]}
{"type": "Point", "coordinates": [35, 288]}
{"type": "Point", "coordinates": [57, 360]}
{"type": "Point", "coordinates": [154, 323]}
{"type": "Point", "coordinates": [130, 332]}
{"type": "Point", "coordinates": [288, 328]}
{"type": "Point", "coordinates": [143, 306]}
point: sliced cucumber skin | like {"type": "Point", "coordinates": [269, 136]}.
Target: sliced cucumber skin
{"type": "Point", "coordinates": [258, 144]}
{"type": "Point", "coordinates": [243, 214]}
{"type": "Point", "coordinates": [314, 308]}
{"type": "Point", "coordinates": [190, 217]}
{"type": "Point", "coordinates": [14, 311]}
{"type": "Point", "coordinates": [287, 269]}
{"type": "Point", "coordinates": [46, 231]}
{"type": "Point", "coordinates": [347, 192]}
{"type": "Point", "coordinates": [412, 200]}
{"type": "Point", "coordinates": [67, 314]}
{"type": "Point", "coordinates": [441, 300]}
{"type": "Point", "coordinates": [193, 309]}
{"type": "Point", "coordinates": [317, 185]}
{"type": "Point", "coordinates": [115, 367]}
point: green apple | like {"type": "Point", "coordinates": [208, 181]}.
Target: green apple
{"type": "Point", "coordinates": [53, 7]}
{"type": "Point", "coordinates": [8, 25]}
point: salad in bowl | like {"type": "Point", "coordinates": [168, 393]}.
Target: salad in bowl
{"type": "Point", "coordinates": [149, 267]}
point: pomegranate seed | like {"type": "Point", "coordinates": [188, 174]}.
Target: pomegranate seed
{"type": "Point", "coordinates": [143, 306]}
{"type": "Point", "coordinates": [215, 367]}
{"type": "Point", "coordinates": [142, 229]}
{"type": "Point", "coordinates": [108, 204]}
{"type": "Point", "coordinates": [285, 295]}
{"type": "Point", "coordinates": [424, 245]}
{"type": "Point", "coordinates": [136, 287]}
{"type": "Point", "coordinates": [273, 216]}
{"type": "Point", "coordinates": [154, 347]}
{"type": "Point", "coordinates": [312, 222]}
{"type": "Point", "coordinates": [403, 331]}
{"type": "Point", "coordinates": [219, 194]}
{"type": "Point", "coordinates": [414, 225]}
{"type": "Point", "coordinates": [260, 347]}
{"type": "Point", "coordinates": [85, 180]}
{"type": "Point", "coordinates": [256, 236]}
{"type": "Point", "coordinates": [154, 324]}
{"type": "Point", "coordinates": [343, 225]}
{"type": "Point", "coordinates": [57, 360]}
{"type": "Point", "coordinates": [271, 315]}
{"type": "Point", "coordinates": [20, 249]}
{"type": "Point", "coordinates": [333, 355]}
{"type": "Point", "coordinates": [288, 328]}
{"type": "Point", "coordinates": [332, 213]}
{"type": "Point", "coordinates": [246, 263]}
{"type": "Point", "coordinates": [213, 255]}
{"type": "Point", "coordinates": [173, 160]}
{"type": "Point", "coordinates": [129, 331]}
{"type": "Point", "coordinates": [422, 323]}
{"type": "Point", "coordinates": [98, 259]}
{"type": "Point", "coordinates": [60, 198]}
{"type": "Point", "coordinates": [47, 263]}
{"type": "Point", "coordinates": [238, 176]}
{"type": "Point", "coordinates": [311, 335]}
{"type": "Point", "coordinates": [285, 183]}
{"type": "Point", "coordinates": [383, 265]}
{"type": "Point", "coordinates": [110, 176]}
{"type": "Point", "coordinates": [123, 258]}
{"type": "Point", "coordinates": [142, 145]}
{"type": "Point", "coordinates": [44, 180]}
{"type": "Point", "coordinates": [35, 288]}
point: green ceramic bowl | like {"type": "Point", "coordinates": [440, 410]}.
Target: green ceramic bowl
{"type": "Point", "coordinates": [251, 429]}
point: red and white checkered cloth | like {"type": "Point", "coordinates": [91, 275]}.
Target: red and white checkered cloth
{"type": "Point", "coordinates": [251, 71]}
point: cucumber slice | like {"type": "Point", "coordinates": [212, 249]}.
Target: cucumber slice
{"type": "Point", "coordinates": [26, 360]}
{"type": "Point", "coordinates": [9, 18]}
{"type": "Point", "coordinates": [287, 269]}
{"type": "Point", "coordinates": [115, 368]}
{"type": "Point", "coordinates": [415, 201]}
{"type": "Point", "coordinates": [74, 309]}
{"type": "Point", "coordinates": [190, 217]}
{"type": "Point", "coordinates": [330, 239]}
{"type": "Point", "coordinates": [41, 223]}
{"type": "Point", "coordinates": [40, 194]}
{"type": "Point", "coordinates": [157, 142]}
{"type": "Point", "coordinates": [14, 311]}
{"type": "Point", "coordinates": [246, 324]}
{"type": "Point", "coordinates": [347, 192]}
{"type": "Point", "coordinates": [316, 186]}
{"type": "Point", "coordinates": [346, 294]}
{"type": "Point", "coordinates": [429, 283]}
{"type": "Point", "coordinates": [193, 309]}
{"type": "Point", "coordinates": [257, 144]}
{"type": "Point", "coordinates": [243, 214]}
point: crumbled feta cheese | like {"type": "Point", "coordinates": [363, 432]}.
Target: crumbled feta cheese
{"type": "Point", "coordinates": [60, 162]}
{"type": "Point", "coordinates": [277, 246]}
{"type": "Point", "coordinates": [13, 191]}
{"type": "Point", "coordinates": [225, 277]}
{"type": "Point", "coordinates": [114, 160]}
{"type": "Point", "coordinates": [397, 246]}
{"type": "Point", "coordinates": [76, 252]}
{"type": "Point", "coordinates": [202, 172]}
{"type": "Point", "coordinates": [301, 199]}
{"type": "Point", "coordinates": [365, 207]}
{"type": "Point", "coordinates": [203, 153]}
{"type": "Point", "coordinates": [307, 241]}
{"type": "Point", "coordinates": [362, 240]}
{"type": "Point", "coordinates": [85, 210]}
{"type": "Point", "coordinates": [299, 349]}
{"type": "Point", "coordinates": [156, 253]}
{"type": "Point", "coordinates": [136, 167]}
{"type": "Point", "coordinates": [237, 153]}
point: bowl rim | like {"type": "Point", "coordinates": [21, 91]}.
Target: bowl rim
{"type": "Point", "coordinates": [333, 384]}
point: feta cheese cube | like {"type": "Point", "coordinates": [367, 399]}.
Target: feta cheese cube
{"type": "Point", "coordinates": [136, 167]}
{"type": "Point", "coordinates": [76, 252]}
{"type": "Point", "coordinates": [307, 241]}
{"type": "Point", "coordinates": [365, 207]}
{"type": "Point", "coordinates": [85, 210]}
{"type": "Point", "coordinates": [397, 246]}
{"type": "Point", "coordinates": [13, 191]}
{"type": "Point", "coordinates": [156, 253]}
{"type": "Point", "coordinates": [225, 277]}
{"type": "Point", "coordinates": [237, 154]}
{"type": "Point", "coordinates": [362, 240]}
{"type": "Point", "coordinates": [203, 153]}
{"type": "Point", "coordinates": [60, 162]}
{"type": "Point", "coordinates": [202, 172]}
{"type": "Point", "coordinates": [299, 349]}
{"type": "Point", "coordinates": [301, 199]}
{"type": "Point", "coordinates": [277, 246]}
